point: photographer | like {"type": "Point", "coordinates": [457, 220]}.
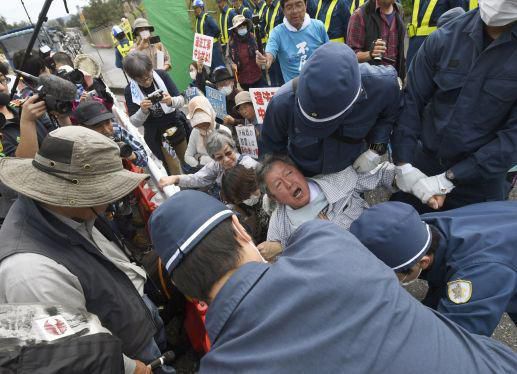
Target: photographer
{"type": "Point", "coordinates": [34, 65]}
{"type": "Point", "coordinates": [96, 117]}
{"type": "Point", "coordinates": [153, 49]}
{"type": "Point", "coordinates": [152, 99]}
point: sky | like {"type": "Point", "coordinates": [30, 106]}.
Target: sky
{"type": "Point", "coordinates": [12, 10]}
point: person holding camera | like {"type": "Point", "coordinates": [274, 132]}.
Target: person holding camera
{"type": "Point", "coordinates": [151, 45]}
{"type": "Point", "coordinates": [152, 101]}
{"type": "Point", "coordinates": [95, 116]}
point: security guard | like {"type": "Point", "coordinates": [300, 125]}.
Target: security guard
{"type": "Point", "coordinates": [425, 17]}
{"type": "Point", "coordinates": [258, 7]}
{"type": "Point", "coordinates": [206, 25]}
{"type": "Point", "coordinates": [272, 16]}
{"type": "Point", "coordinates": [225, 21]}
{"type": "Point", "coordinates": [457, 133]}
{"type": "Point", "coordinates": [364, 321]}
{"type": "Point", "coordinates": [242, 9]}
{"type": "Point", "coordinates": [467, 256]}
{"type": "Point", "coordinates": [123, 45]}
{"type": "Point", "coordinates": [335, 15]}
{"type": "Point", "coordinates": [355, 4]}
{"type": "Point", "coordinates": [326, 118]}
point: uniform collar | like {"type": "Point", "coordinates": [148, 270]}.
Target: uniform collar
{"type": "Point", "coordinates": [437, 273]}
{"type": "Point", "coordinates": [231, 295]}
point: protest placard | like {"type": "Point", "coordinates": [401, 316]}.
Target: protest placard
{"type": "Point", "coordinates": [203, 45]}
{"type": "Point", "coordinates": [260, 97]}
{"type": "Point", "coordinates": [218, 101]}
{"type": "Point", "coordinates": [247, 140]}
{"type": "Point", "coordinates": [192, 92]}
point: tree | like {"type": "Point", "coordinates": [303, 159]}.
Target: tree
{"type": "Point", "coordinates": [102, 13]}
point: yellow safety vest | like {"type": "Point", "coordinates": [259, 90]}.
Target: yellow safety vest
{"type": "Point", "coordinates": [261, 10]}
{"type": "Point", "coordinates": [328, 17]}
{"type": "Point", "coordinates": [356, 4]}
{"type": "Point", "coordinates": [270, 22]}
{"type": "Point", "coordinates": [224, 30]}
{"type": "Point", "coordinates": [244, 9]}
{"type": "Point", "coordinates": [201, 29]}
{"type": "Point", "coordinates": [424, 29]}
{"type": "Point", "coordinates": [125, 49]}
{"type": "Point", "coordinates": [473, 4]}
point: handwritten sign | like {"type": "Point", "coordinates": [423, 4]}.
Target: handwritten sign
{"type": "Point", "coordinates": [260, 97]}
{"type": "Point", "coordinates": [218, 101]}
{"type": "Point", "coordinates": [203, 45]}
{"type": "Point", "coordinates": [191, 92]}
{"type": "Point", "coordinates": [247, 140]}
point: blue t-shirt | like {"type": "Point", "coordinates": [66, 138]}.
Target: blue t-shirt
{"type": "Point", "coordinates": [293, 48]}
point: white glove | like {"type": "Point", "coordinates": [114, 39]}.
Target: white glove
{"type": "Point", "coordinates": [426, 188]}
{"type": "Point", "coordinates": [367, 161]}
{"type": "Point", "coordinates": [406, 176]}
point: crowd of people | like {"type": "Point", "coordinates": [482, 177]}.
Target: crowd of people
{"type": "Point", "coordinates": [289, 254]}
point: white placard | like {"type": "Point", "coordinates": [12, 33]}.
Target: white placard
{"type": "Point", "coordinates": [247, 140]}
{"type": "Point", "coordinates": [51, 328]}
{"type": "Point", "coordinates": [203, 45]}
{"type": "Point", "coordinates": [260, 97]}
{"type": "Point", "coordinates": [160, 60]}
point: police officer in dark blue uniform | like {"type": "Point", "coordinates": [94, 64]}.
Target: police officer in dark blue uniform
{"type": "Point", "coordinates": [468, 257]}
{"type": "Point", "coordinates": [206, 25]}
{"type": "Point", "coordinates": [226, 15]}
{"type": "Point", "coordinates": [272, 16]}
{"type": "Point", "coordinates": [335, 15]}
{"type": "Point", "coordinates": [457, 131]}
{"type": "Point", "coordinates": [332, 113]}
{"type": "Point", "coordinates": [242, 9]}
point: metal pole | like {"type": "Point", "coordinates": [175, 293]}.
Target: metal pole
{"type": "Point", "coordinates": [83, 21]}
{"type": "Point", "coordinates": [42, 18]}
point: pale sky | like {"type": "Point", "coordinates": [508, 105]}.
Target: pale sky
{"type": "Point", "coordinates": [12, 10]}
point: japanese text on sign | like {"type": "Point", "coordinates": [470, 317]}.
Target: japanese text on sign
{"type": "Point", "coordinates": [247, 140]}
{"type": "Point", "coordinates": [260, 97]}
{"type": "Point", "coordinates": [203, 48]}
{"type": "Point", "coordinates": [191, 92]}
{"type": "Point", "coordinates": [218, 101]}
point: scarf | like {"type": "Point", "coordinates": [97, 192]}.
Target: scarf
{"type": "Point", "coordinates": [306, 23]}
{"type": "Point", "coordinates": [137, 95]}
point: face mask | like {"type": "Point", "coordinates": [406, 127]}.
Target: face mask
{"type": "Point", "coordinates": [243, 31]}
{"type": "Point", "coordinates": [226, 90]}
{"type": "Point", "coordinates": [411, 281]}
{"type": "Point", "coordinates": [144, 34]}
{"type": "Point", "coordinates": [204, 132]}
{"type": "Point", "coordinates": [498, 12]}
{"type": "Point", "coordinates": [193, 74]}
{"type": "Point", "coordinates": [252, 200]}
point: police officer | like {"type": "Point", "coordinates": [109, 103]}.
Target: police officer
{"type": "Point", "coordinates": [257, 6]}
{"type": "Point", "coordinates": [242, 9]}
{"type": "Point", "coordinates": [467, 256]}
{"type": "Point", "coordinates": [206, 25]}
{"type": "Point", "coordinates": [354, 4]}
{"type": "Point", "coordinates": [123, 46]}
{"type": "Point", "coordinates": [335, 15]}
{"type": "Point", "coordinates": [360, 305]}
{"type": "Point", "coordinates": [424, 20]}
{"type": "Point", "coordinates": [225, 21]}
{"type": "Point", "coordinates": [335, 110]}
{"type": "Point", "coordinates": [272, 15]}
{"type": "Point", "coordinates": [458, 128]}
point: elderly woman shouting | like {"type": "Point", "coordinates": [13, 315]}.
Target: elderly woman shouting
{"type": "Point", "coordinates": [202, 118]}
{"type": "Point", "coordinates": [221, 148]}
{"type": "Point", "coordinates": [153, 101]}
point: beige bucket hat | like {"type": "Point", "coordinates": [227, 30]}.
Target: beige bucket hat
{"type": "Point", "coordinates": [242, 97]}
{"type": "Point", "coordinates": [75, 167]}
{"type": "Point", "coordinates": [238, 20]}
{"type": "Point", "coordinates": [200, 111]}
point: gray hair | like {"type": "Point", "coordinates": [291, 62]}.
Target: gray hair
{"type": "Point", "coordinates": [137, 64]}
{"type": "Point", "coordinates": [217, 140]}
{"type": "Point", "coordinates": [263, 169]}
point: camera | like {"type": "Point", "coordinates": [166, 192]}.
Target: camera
{"type": "Point", "coordinates": [44, 53]}
{"type": "Point", "coordinates": [154, 39]}
{"type": "Point", "coordinates": [155, 96]}
{"type": "Point", "coordinates": [75, 76]}
{"type": "Point", "coordinates": [125, 149]}
{"type": "Point", "coordinates": [53, 104]}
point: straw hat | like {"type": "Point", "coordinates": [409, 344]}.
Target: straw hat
{"type": "Point", "coordinates": [75, 167]}
{"type": "Point", "coordinates": [238, 20]}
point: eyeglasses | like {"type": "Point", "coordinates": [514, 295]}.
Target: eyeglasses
{"type": "Point", "coordinates": [145, 80]}
{"type": "Point", "coordinates": [5, 80]}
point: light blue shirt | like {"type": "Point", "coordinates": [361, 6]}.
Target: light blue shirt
{"type": "Point", "coordinates": [292, 47]}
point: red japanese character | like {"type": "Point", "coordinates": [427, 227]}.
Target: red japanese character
{"type": "Point", "coordinates": [258, 97]}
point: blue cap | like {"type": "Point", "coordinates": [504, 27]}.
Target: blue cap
{"type": "Point", "coordinates": [116, 30]}
{"type": "Point", "coordinates": [393, 232]}
{"type": "Point", "coordinates": [198, 3]}
{"type": "Point", "coordinates": [328, 86]}
{"type": "Point", "coordinates": [181, 222]}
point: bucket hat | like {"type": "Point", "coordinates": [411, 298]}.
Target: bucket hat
{"type": "Point", "coordinates": [74, 167]}
{"type": "Point", "coordinates": [200, 111]}
{"type": "Point", "coordinates": [142, 23]}
{"type": "Point", "coordinates": [323, 100]}
{"type": "Point", "coordinates": [394, 233]}
{"type": "Point", "coordinates": [242, 98]}
{"type": "Point", "coordinates": [238, 20]}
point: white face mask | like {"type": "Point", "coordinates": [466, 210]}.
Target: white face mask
{"type": "Point", "coordinates": [204, 132]}
{"type": "Point", "coordinates": [411, 281]}
{"type": "Point", "coordinates": [252, 200]}
{"type": "Point", "coordinates": [193, 74]}
{"type": "Point", "coordinates": [226, 90]}
{"type": "Point", "coordinates": [144, 34]}
{"type": "Point", "coordinates": [498, 12]}
{"type": "Point", "coordinates": [242, 31]}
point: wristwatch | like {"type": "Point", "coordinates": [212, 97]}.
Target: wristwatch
{"type": "Point", "coordinates": [449, 175]}
{"type": "Point", "coordinates": [380, 148]}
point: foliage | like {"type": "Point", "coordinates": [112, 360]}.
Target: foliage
{"type": "Point", "coordinates": [6, 26]}
{"type": "Point", "coordinates": [103, 12]}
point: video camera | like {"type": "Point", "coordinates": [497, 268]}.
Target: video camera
{"type": "Point", "coordinates": [44, 53]}
{"type": "Point", "coordinates": [155, 96]}
{"type": "Point", "coordinates": [75, 76]}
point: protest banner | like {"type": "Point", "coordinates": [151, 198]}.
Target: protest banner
{"type": "Point", "coordinates": [260, 97]}
{"type": "Point", "coordinates": [218, 101]}
{"type": "Point", "coordinates": [203, 45]}
{"type": "Point", "coordinates": [192, 92]}
{"type": "Point", "coordinates": [247, 140]}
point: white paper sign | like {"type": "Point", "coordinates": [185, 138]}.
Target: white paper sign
{"type": "Point", "coordinates": [247, 140]}
{"type": "Point", "coordinates": [160, 60]}
{"type": "Point", "coordinates": [51, 328]}
{"type": "Point", "coordinates": [260, 97]}
{"type": "Point", "coordinates": [203, 45]}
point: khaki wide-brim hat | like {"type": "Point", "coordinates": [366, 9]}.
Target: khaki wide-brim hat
{"type": "Point", "coordinates": [242, 97]}
{"type": "Point", "coordinates": [75, 167]}
{"type": "Point", "coordinates": [238, 20]}
{"type": "Point", "coordinates": [142, 23]}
